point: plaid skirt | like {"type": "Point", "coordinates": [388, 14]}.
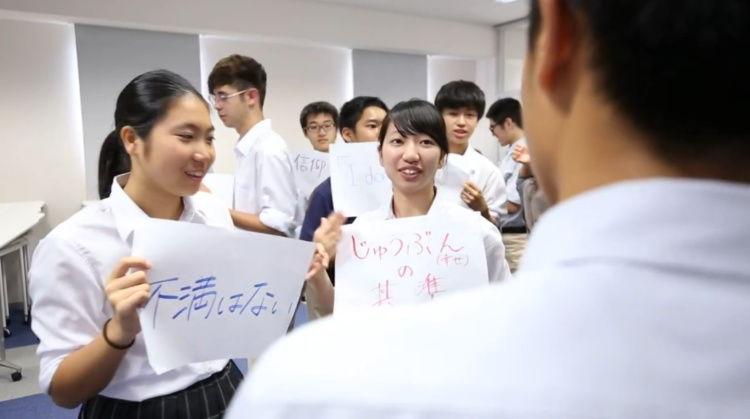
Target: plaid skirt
{"type": "Point", "coordinates": [207, 399]}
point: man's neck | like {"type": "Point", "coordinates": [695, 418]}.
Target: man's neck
{"type": "Point", "coordinates": [458, 148]}
{"type": "Point", "coordinates": [252, 120]}
{"type": "Point", "coordinates": [596, 163]}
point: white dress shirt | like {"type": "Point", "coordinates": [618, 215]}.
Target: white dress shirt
{"type": "Point", "coordinates": [264, 181]}
{"type": "Point", "coordinates": [633, 302]}
{"type": "Point", "coordinates": [67, 277]}
{"type": "Point", "coordinates": [497, 267]}
{"type": "Point", "coordinates": [487, 177]}
{"type": "Point", "coordinates": [510, 169]}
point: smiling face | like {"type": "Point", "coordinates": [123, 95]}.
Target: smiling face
{"type": "Point", "coordinates": [410, 161]}
{"type": "Point", "coordinates": [179, 149]}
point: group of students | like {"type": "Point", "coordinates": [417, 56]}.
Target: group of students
{"type": "Point", "coordinates": [87, 288]}
{"type": "Point", "coordinates": [633, 296]}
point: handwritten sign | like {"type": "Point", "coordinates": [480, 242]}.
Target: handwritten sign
{"type": "Point", "coordinates": [216, 293]}
{"type": "Point", "coordinates": [221, 185]}
{"type": "Point", "coordinates": [358, 181]}
{"type": "Point", "coordinates": [408, 260]}
{"type": "Point", "coordinates": [451, 178]}
{"type": "Point", "coordinates": [310, 169]}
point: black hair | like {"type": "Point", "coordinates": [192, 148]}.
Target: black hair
{"type": "Point", "coordinates": [676, 71]}
{"type": "Point", "coordinates": [507, 108]}
{"type": "Point", "coordinates": [352, 110]}
{"type": "Point", "coordinates": [414, 117]}
{"type": "Point", "coordinates": [241, 72]}
{"type": "Point", "coordinates": [460, 94]}
{"type": "Point", "coordinates": [317, 108]}
{"type": "Point", "coordinates": [141, 105]}
{"type": "Point", "coordinates": [113, 161]}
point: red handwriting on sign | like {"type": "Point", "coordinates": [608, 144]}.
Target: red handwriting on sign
{"type": "Point", "coordinates": [447, 246]}
{"type": "Point", "coordinates": [430, 285]}
{"type": "Point", "coordinates": [404, 271]}
{"type": "Point", "coordinates": [384, 293]}
{"type": "Point", "coordinates": [446, 260]}
{"type": "Point", "coordinates": [365, 251]}
{"type": "Point", "coordinates": [409, 244]}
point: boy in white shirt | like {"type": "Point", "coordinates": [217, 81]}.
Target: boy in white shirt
{"type": "Point", "coordinates": [506, 124]}
{"type": "Point", "coordinates": [462, 105]}
{"type": "Point", "coordinates": [265, 192]}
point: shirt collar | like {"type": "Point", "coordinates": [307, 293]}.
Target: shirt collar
{"type": "Point", "coordinates": [386, 210]}
{"type": "Point", "coordinates": [691, 225]}
{"type": "Point", "coordinates": [512, 147]}
{"type": "Point", "coordinates": [245, 144]}
{"type": "Point", "coordinates": [127, 214]}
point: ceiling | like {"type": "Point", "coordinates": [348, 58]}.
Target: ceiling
{"type": "Point", "coordinates": [488, 12]}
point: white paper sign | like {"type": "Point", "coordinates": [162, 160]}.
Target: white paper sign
{"type": "Point", "coordinates": [216, 293]}
{"type": "Point", "coordinates": [408, 260]}
{"type": "Point", "coordinates": [358, 181]}
{"type": "Point", "coordinates": [451, 178]}
{"type": "Point", "coordinates": [310, 169]}
{"type": "Point", "coordinates": [221, 185]}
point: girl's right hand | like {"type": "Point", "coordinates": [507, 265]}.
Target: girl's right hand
{"type": "Point", "coordinates": [329, 233]}
{"type": "Point", "coordinates": [126, 293]}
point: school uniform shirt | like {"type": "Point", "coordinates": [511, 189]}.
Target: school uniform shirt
{"type": "Point", "coordinates": [510, 170]}
{"type": "Point", "coordinates": [67, 277]}
{"type": "Point", "coordinates": [642, 311]}
{"type": "Point", "coordinates": [264, 182]}
{"type": "Point", "coordinates": [488, 178]}
{"type": "Point", "coordinates": [497, 266]}
{"type": "Point", "coordinates": [321, 206]}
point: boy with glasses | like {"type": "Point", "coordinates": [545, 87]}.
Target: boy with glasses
{"type": "Point", "coordinates": [319, 121]}
{"type": "Point", "coordinates": [265, 193]}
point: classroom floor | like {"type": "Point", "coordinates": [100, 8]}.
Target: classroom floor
{"type": "Point", "coordinates": [24, 399]}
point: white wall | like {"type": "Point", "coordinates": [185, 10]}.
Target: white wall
{"type": "Point", "coordinates": [103, 74]}
{"type": "Point", "coordinates": [42, 139]}
{"type": "Point", "coordinates": [40, 115]}
{"type": "Point", "coordinates": [442, 70]}
{"type": "Point", "coordinates": [297, 75]}
{"type": "Point", "coordinates": [300, 20]}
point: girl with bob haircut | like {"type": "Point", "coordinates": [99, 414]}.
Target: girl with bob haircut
{"type": "Point", "coordinates": [413, 146]}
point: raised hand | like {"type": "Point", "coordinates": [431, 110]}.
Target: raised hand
{"type": "Point", "coordinates": [521, 154]}
{"type": "Point", "coordinates": [126, 293]}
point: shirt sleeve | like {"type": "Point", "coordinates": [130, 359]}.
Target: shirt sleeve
{"type": "Point", "coordinates": [278, 193]}
{"type": "Point", "coordinates": [318, 208]}
{"type": "Point", "coordinates": [68, 311]}
{"type": "Point", "coordinates": [498, 269]}
{"type": "Point", "coordinates": [495, 195]}
{"type": "Point", "coordinates": [511, 186]}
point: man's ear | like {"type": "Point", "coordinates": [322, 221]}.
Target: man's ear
{"type": "Point", "coordinates": [347, 134]}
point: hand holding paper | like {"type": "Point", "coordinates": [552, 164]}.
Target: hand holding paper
{"type": "Point", "coordinates": [216, 293]}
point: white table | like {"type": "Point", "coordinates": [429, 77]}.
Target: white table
{"type": "Point", "coordinates": [16, 222]}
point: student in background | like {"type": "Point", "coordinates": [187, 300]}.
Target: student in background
{"type": "Point", "coordinates": [87, 288]}
{"type": "Point", "coordinates": [413, 146]}
{"type": "Point", "coordinates": [113, 161]}
{"type": "Point", "coordinates": [360, 120]}
{"type": "Point", "coordinates": [634, 297]}
{"type": "Point", "coordinates": [319, 122]}
{"type": "Point", "coordinates": [534, 202]}
{"type": "Point", "coordinates": [462, 104]}
{"type": "Point", "coordinates": [265, 191]}
{"type": "Point", "coordinates": [507, 126]}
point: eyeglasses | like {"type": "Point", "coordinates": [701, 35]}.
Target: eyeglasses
{"type": "Point", "coordinates": [327, 126]}
{"type": "Point", "coordinates": [221, 97]}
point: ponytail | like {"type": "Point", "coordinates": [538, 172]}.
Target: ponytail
{"type": "Point", "coordinates": [113, 161]}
